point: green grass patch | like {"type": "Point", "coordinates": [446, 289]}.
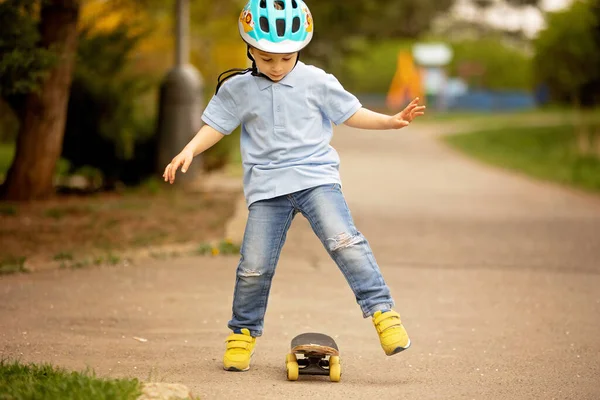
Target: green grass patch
{"type": "Point", "coordinates": [67, 260]}
{"type": "Point", "coordinates": [63, 256]}
{"type": "Point", "coordinates": [29, 382]}
{"type": "Point", "coordinates": [483, 120]}
{"type": "Point", "coordinates": [8, 210]}
{"type": "Point", "coordinates": [225, 247]}
{"type": "Point", "coordinates": [12, 265]}
{"type": "Point", "coordinates": [548, 153]}
{"type": "Point", "coordinates": [7, 153]}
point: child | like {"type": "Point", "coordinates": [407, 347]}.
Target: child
{"type": "Point", "coordinates": [286, 109]}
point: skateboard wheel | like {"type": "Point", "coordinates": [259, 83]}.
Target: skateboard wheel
{"type": "Point", "coordinates": [291, 357]}
{"type": "Point", "coordinates": [335, 369]}
{"type": "Point", "coordinates": [292, 370]}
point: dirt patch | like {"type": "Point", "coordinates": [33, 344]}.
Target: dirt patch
{"type": "Point", "coordinates": [99, 229]}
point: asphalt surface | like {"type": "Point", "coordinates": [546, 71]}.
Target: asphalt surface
{"type": "Point", "coordinates": [497, 278]}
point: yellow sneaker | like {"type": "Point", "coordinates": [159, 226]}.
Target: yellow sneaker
{"type": "Point", "coordinates": [392, 335]}
{"type": "Point", "coordinates": [240, 347]}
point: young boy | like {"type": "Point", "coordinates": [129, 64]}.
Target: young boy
{"type": "Point", "coordinates": [286, 109]}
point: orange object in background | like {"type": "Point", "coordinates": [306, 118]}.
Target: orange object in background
{"type": "Point", "coordinates": [406, 84]}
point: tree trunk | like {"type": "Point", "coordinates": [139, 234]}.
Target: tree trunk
{"type": "Point", "coordinates": [40, 139]}
{"type": "Point", "coordinates": [581, 134]}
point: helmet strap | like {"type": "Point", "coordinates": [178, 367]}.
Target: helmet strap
{"type": "Point", "coordinates": [255, 71]}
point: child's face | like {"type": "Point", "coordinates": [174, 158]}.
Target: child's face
{"type": "Point", "coordinates": [275, 66]}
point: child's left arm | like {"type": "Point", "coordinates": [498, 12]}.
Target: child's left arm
{"type": "Point", "coordinates": [367, 119]}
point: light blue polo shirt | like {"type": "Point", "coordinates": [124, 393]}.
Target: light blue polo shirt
{"type": "Point", "coordinates": [286, 128]}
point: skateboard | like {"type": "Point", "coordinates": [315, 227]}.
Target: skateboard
{"type": "Point", "coordinates": [320, 356]}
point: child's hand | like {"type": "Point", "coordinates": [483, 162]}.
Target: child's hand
{"type": "Point", "coordinates": [405, 117]}
{"type": "Point", "coordinates": [183, 160]}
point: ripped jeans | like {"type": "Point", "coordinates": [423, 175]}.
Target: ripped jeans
{"type": "Point", "coordinates": [328, 214]}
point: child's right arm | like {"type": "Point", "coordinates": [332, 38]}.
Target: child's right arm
{"type": "Point", "coordinates": [204, 139]}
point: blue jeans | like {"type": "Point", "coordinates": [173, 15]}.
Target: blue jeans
{"type": "Point", "coordinates": [266, 229]}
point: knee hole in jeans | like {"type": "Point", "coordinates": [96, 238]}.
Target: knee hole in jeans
{"type": "Point", "coordinates": [343, 241]}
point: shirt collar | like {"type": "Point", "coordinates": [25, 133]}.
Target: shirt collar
{"type": "Point", "coordinates": [290, 79]}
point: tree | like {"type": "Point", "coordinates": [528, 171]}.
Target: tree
{"type": "Point", "coordinates": [107, 124]}
{"type": "Point", "coordinates": [567, 60]}
{"type": "Point", "coordinates": [23, 64]}
{"type": "Point", "coordinates": [43, 111]}
{"type": "Point", "coordinates": [567, 54]}
{"type": "Point", "coordinates": [339, 25]}
{"type": "Point", "coordinates": [525, 3]}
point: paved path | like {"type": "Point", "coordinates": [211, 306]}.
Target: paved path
{"type": "Point", "coordinates": [497, 278]}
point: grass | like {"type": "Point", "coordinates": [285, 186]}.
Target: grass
{"type": "Point", "coordinates": [478, 121]}
{"type": "Point", "coordinates": [548, 153]}
{"type": "Point", "coordinates": [105, 229]}
{"type": "Point", "coordinates": [7, 152]}
{"type": "Point", "coordinates": [12, 265]}
{"type": "Point", "coordinates": [25, 382]}
{"type": "Point", "coordinates": [67, 260]}
{"type": "Point", "coordinates": [225, 247]}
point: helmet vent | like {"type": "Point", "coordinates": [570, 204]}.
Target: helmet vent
{"type": "Point", "coordinates": [263, 4]}
{"type": "Point", "coordinates": [279, 5]}
{"type": "Point", "coordinates": [280, 23]}
{"type": "Point", "coordinates": [264, 24]}
{"type": "Point", "coordinates": [295, 24]}
{"type": "Point", "coordinates": [294, 4]}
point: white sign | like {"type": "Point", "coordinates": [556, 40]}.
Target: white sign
{"type": "Point", "coordinates": [432, 54]}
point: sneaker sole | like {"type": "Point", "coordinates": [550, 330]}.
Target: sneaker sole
{"type": "Point", "coordinates": [234, 369]}
{"type": "Point", "coordinates": [400, 349]}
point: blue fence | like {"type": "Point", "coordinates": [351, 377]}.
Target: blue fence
{"type": "Point", "coordinates": [492, 101]}
{"type": "Point", "coordinates": [481, 100]}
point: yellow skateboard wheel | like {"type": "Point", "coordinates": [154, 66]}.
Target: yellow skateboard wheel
{"type": "Point", "coordinates": [292, 367]}
{"type": "Point", "coordinates": [335, 369]}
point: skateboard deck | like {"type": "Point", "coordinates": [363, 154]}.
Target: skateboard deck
{"type": "Point", "coordinates": [320, 356]}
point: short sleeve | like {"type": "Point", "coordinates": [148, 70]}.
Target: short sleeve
{"type": "Point", "coordinates": [337, 103]}
{"type": "Point", "coordinates": [221, 113]}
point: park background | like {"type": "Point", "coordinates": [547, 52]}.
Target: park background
{"type": "Point", "coordinates": [80, 108]}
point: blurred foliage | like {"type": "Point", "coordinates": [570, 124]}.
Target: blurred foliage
{"type": "Point", "coordinates": [105, 74]}
{"type": "Point", "coordinates": [514, 3]}
{"type": "Point", "coordinates": [23, 61]}
{"type": "Point", "coordinates": [107, 121]}
{"type": "Point", "coordinates": [126, 48]}
{"type": "Point", "coordinates": [217, 47]}
{"type": "Point", "coordinates": [357, 75]}
{"type": "Point", "coordinates": [7, 153]}
{"type": "Point", "coordinates": [9, 124]}
{"type": "Point", "coordinates": [488, 63]}
{"type": "Point", "coordinates": [524, 3]}
{"type": "Point", "coordinates": [568, 54]}
{"type": "Point", "coordinates": [341, 29]}
{"type": "Point", "coordinates": [491, 63]}
{"type": "Point", "coordinates": [339, 25]}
